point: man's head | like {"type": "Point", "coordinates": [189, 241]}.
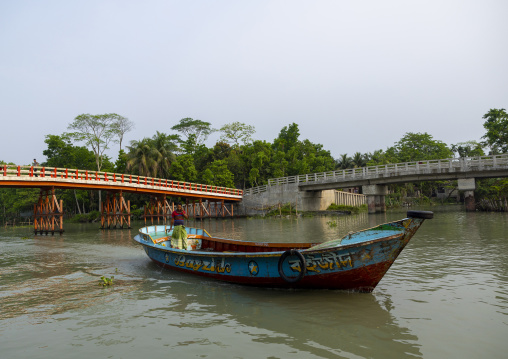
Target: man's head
{"type": "Point", "coordinates": [179, 207]}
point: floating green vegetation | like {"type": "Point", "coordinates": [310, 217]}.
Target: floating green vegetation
{"type": "Point", "coordinates": [343, 208]}
{"type": "Point", "coordinates": [105, 281]}
{"type": "Point", "coordinates": [332, 224]}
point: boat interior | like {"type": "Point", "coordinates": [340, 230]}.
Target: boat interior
{"type": "Point", "coordinates": [199, 240]}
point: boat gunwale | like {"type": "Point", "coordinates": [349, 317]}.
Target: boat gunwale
{"type": "Point", "coordinates": [282, 244]}
{"type": "Point", "coordinates": [201, 253]}
{"type": "Point", "coordinates": [246, 243]}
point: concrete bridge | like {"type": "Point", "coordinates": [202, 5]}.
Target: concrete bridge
{"type": "Point", "coordinates": [313, 191]}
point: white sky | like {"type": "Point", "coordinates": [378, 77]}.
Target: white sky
{"type": "Point", "coordinates": [354, 75]}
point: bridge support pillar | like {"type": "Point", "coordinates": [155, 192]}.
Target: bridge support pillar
{"type": "Point", "coordinates": [468, 186]}
{"type": "Point", "coordinates": [115, 211]}
{"type": "Point", "coordinates": [198, 209]}
{"type": "Point", "coordinates": [375, 197]}
{"type": "Point", "coordinates": [380, 204]}
{"type": "Point", "coordinates": [48, 213]}
{"type": "Point", "coordinates": [158, 208]}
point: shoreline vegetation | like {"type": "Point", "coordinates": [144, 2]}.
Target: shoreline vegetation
{"type": "Point", "coordinates": [287, 211]}
{"type": "Point", "coordinates": [237, 160]}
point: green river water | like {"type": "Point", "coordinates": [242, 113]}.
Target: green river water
{"type": "Point", "coordinates": [446, 296]}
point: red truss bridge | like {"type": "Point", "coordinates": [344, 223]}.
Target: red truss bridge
{"type": "Point", "coordinates": [200, 200]}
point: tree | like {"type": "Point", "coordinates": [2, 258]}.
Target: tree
{"type": "Point", "coordinates": [140, 158]}
{"type": "Point", "coordinates": [16, 200]}
{"type": "Point", "coordinates": [378, 157]}
{"type": "Point", "coordinates": [166, 144]}
{"type": "Point", "coordinates": [221, 151]}
{"type": "Point", "coordinates": [358, 160]}
{"type": "Point", "coordinates": [61, 153]}
{"type": "Point", "coordinates": [278, 164]}
{"type": "Point", "coordinates": [195, 131]}
{"type": "Point", "coordinates": [382, 158]}
{"type": "Point", "coordinates": [420, 146]}
{"type": "Point", "coordinates": [152, 157]}
{"type": "Point", "coordinates": [183, 169]}
{"type": "Point", "coordinates": [344, 162]}
{"type": "Point", "coordinates": [255, 154]}
{"type": "Point", "coordinates": [121, 127]}
{"type": "Point", "coordinates": [468, 149]}
{"type": "Point", "coordinates": [96, 131]}
{"type": "Point", "coordinates": [255, 160]}
{"type": "Point", "coordinates": [253, 177]}
{"type": "Point", "coordinates": [288, 137]}
{"type": "Point", "coordinates": [217, 174]}
{"type": "Point", "coordinates": [496, 125]}
{"type": "Point", "coordinates": [236, 164]}
{"type": "Point", "coordinates": [296, 157]}
{"type": "Point", "coordinates": [235, 132]}
{"type": "Point", "coordinates": [121, 162]}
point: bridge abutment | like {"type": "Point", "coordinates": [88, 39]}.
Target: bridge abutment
{"type": "Point", "coordinates": [317, 200]}
{"type": "Point", "coordinates": [468, 186]}
{"type": "Point", "coordinates": [300, 200]}
{"type": "Point", "coordinates": [375, 197]}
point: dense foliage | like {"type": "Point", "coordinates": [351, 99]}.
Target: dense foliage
{"type": "Point", "coordinates": [496, 125]}
{"type": "Point", "coordinates": [236, 160]}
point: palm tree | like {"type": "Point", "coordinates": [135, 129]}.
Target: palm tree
{"type": "Point", "coordinates": [165, 148]}
{"type": "Point", "coordinates": [139, 158]}
{"type": "Point", "coordinates": [344, 162]}
{"type": "Point", "coordinates": [358, 160]}
{"type": "Point", "coordinates": [375, 158]}
{"type": "Point", "coordinates": [152, 157]}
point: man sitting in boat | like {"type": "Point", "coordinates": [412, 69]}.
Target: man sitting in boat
{"type": "Point", "coordinates": [179, 236]}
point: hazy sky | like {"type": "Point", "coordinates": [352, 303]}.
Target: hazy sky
{"type": "Point", "coordinates": [354, 75]}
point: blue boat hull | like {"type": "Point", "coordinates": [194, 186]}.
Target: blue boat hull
{"type": "Point", "coordinates": [356, 262]}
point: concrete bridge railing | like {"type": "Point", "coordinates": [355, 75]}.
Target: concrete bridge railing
{"type": "Point", "coordinates": [350, 199]}
{"type": "Point", "coordinates": [382, 172]}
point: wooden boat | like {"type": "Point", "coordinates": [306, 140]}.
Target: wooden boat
{"type": "Point", "coordinates": [356, 262]}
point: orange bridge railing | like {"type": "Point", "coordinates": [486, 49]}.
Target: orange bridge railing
{"type": "Point", "coordinates": [129, 181]}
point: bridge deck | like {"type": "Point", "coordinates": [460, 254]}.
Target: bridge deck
{"type": "Point", "coordinates": [432, 170]}
{"type": "Point", "coordinates": [39, 177]}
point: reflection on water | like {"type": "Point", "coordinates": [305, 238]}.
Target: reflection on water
{"type": "Point", "coordinates": [445, 296]}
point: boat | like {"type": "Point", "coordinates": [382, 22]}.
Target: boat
{"type": "Point", "coordinates": [354, 262]}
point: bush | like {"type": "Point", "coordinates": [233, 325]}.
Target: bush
{"type": "Point", "coordinates": [137, 213]}
{"type": "Point", "coordinates": [394, 200]}
{"type": "Point", "coordinates": [343, 208]}
{"type": "Point", "coordinates": [94, 216]}
{"type": "Point", "coordinates": [284, 210]}
{"type": "Point", "coordinates": [80, 218]}
{"type": "Point", "coordinates": [86, 217]}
